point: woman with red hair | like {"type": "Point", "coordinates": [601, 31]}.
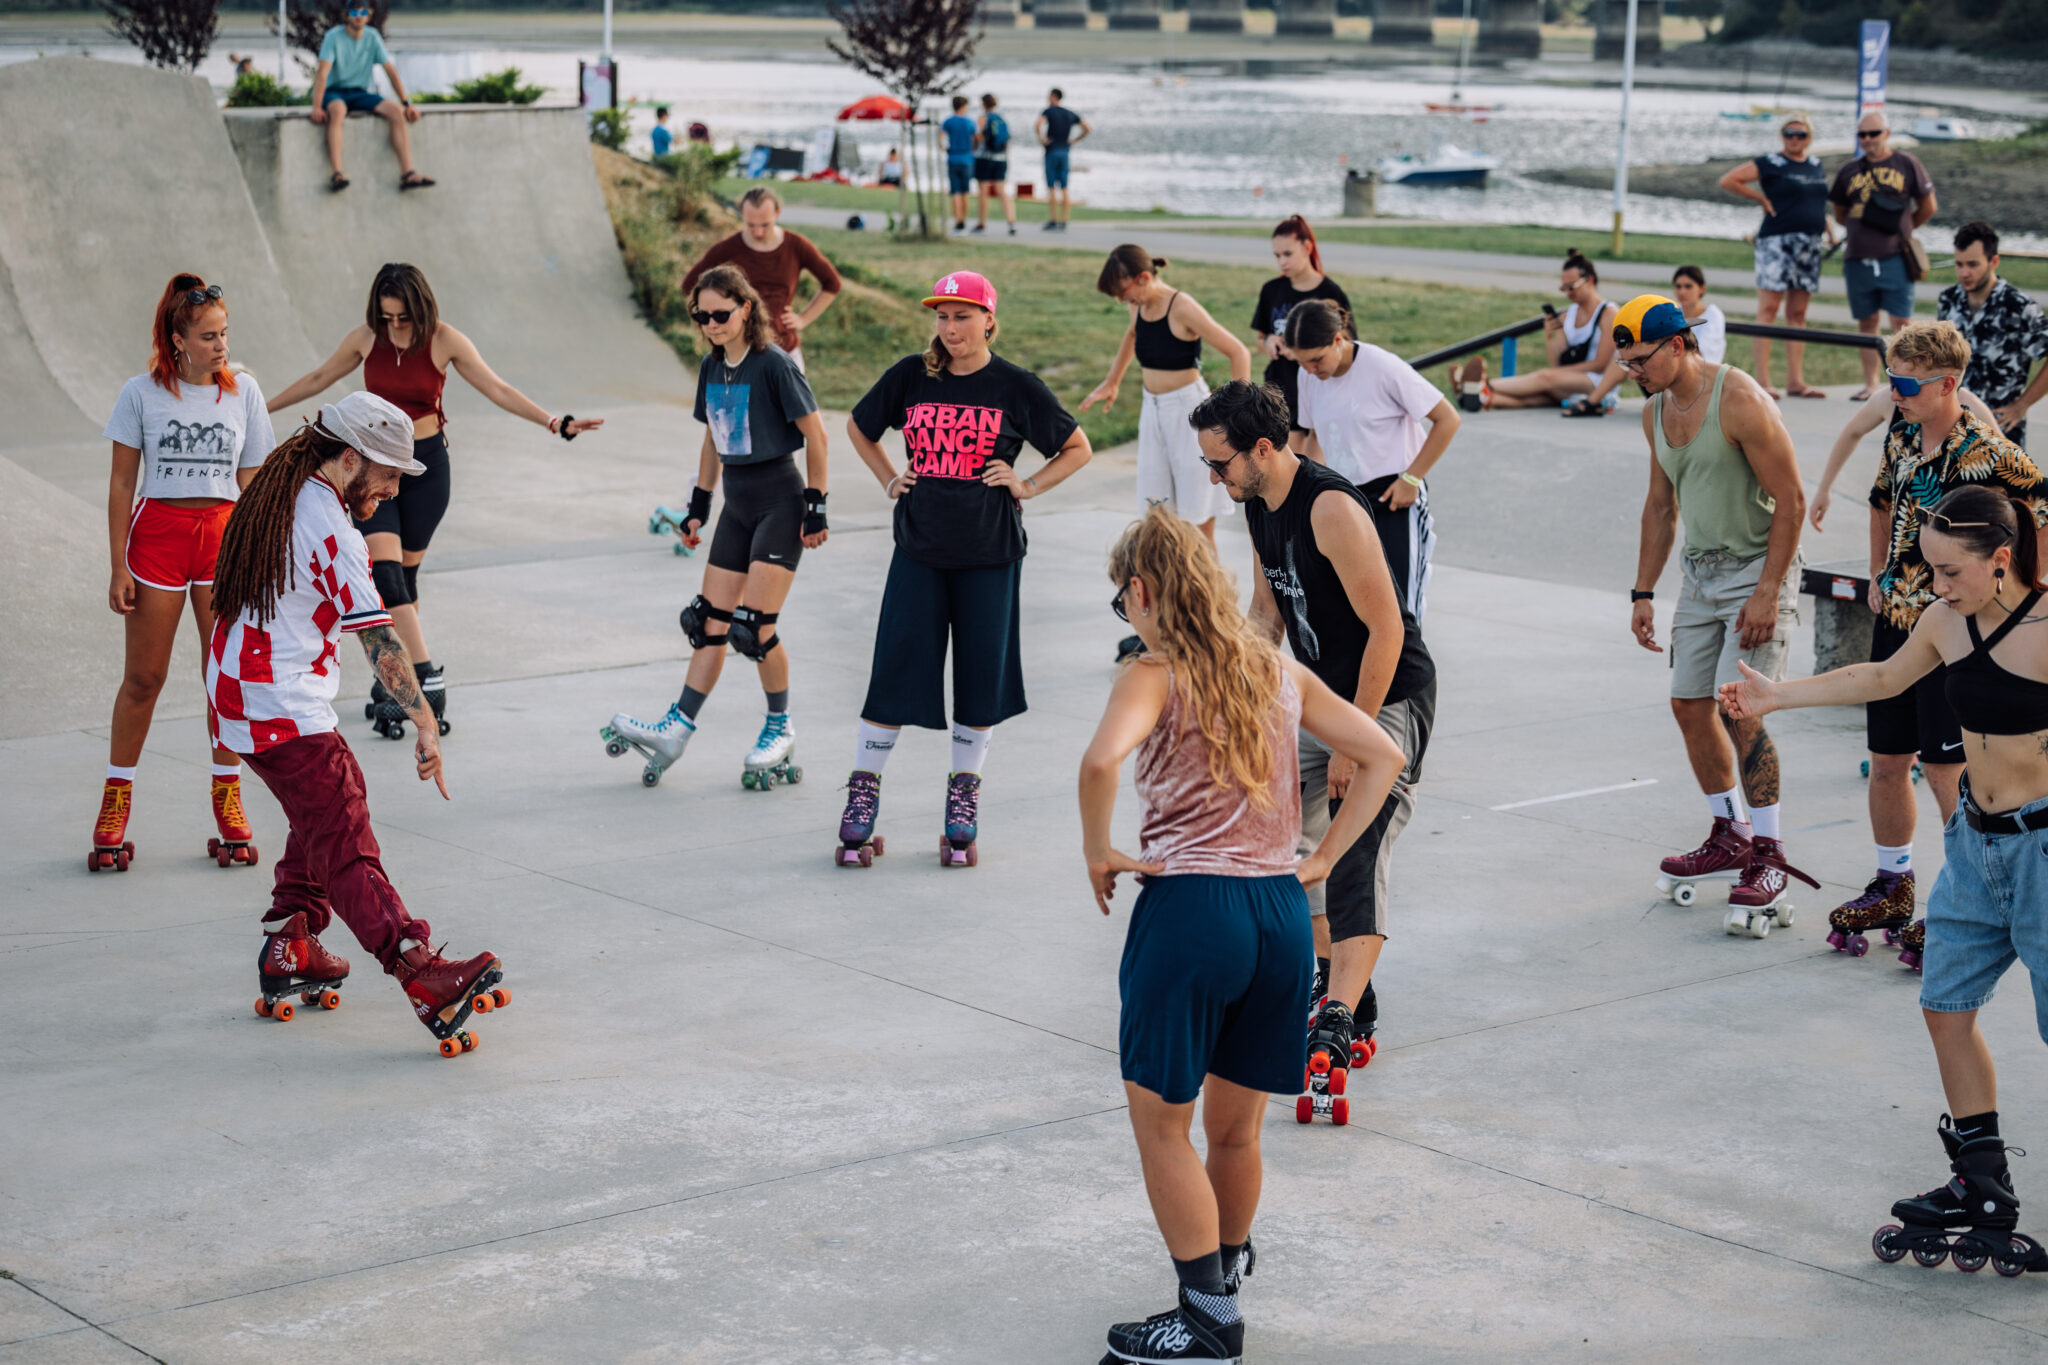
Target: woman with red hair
{"type": "Point", "coordinates": [1301, 278]}
{"type": "Point", "coordinates": [188, 435]}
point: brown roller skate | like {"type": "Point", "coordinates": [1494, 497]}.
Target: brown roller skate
{"type": "Point", "coordinates": [1913, 945]}
{"type": "Point", "coordinates": [293, 962]}
{"type": "Point", "coordinates": [1886, 904]}
{"type": "Point", "coordinates": [443, 993]}
{"type": "Point", "coordinates": [1721, 858]}
{"type": "Point", "coordinates": [236, 842]}
{"type": "Point", "coordinates": [110, 846]}
{"type": "Point", "coordinates": [1757, 901]}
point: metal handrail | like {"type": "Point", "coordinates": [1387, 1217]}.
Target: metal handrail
{"type": "Point", "coordinates": [1478, 343]}
{"type": "Point", "coordinates": [1740, 329]}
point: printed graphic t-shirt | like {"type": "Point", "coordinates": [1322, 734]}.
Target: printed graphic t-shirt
{"type": "Point", "coordinates": [355, 60]}
{"type": "Point", "coordinates": [267, 685]}
{"type": "Point", "coordinates": [752, 407]}
{"type": "Point", "coordinates": [1898, 178]}
{"type": "Point", "coordinates": [1369, 420]}
{"type": "Point", "coordinates": [952, 427]}
{"type": "Point", "coordinates": [1060, 123]}
{"type": "Point", "coordinates": [193, 443]}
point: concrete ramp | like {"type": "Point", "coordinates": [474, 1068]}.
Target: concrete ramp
{"type": "Point", "coordinates": [514, 238]}
{"type": "Point", "coordinates": [116, 177]}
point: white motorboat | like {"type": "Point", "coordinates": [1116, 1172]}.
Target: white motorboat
{"type": "Point", "coordinates": [1931, 128]}
{"type": "Point", "coordinates": [1447, 165]}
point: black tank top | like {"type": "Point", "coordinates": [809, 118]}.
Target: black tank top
{"type": "Point", "coordinates": [1159, 348]}
{"type": "Point", "coordinates": [1322, 629]}
{"type": "Point", "coordinates": [1992, 700]}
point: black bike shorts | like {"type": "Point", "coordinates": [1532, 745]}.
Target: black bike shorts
{"type": "Point", "coordinates": [763, 519]}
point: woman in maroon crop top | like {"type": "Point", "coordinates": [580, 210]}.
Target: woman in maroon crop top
{"type": "Point", "coordinates": [406, 351]}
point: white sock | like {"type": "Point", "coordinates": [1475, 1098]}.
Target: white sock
{"type": "Point", "coordinates": [227, 770]}
{"type": "Point", "coordinates": [1895, 859]}
{"type": "Point", "coordinates": [1726, 805]}
{"type": "Point", "coordinates": [117, 774]}
{"type": "Point", "coordinates": [1765, 821]}
{"type": "Point", "coordinates": [871, 750]}
{"type": "Point", "coordinates": [970, 748]}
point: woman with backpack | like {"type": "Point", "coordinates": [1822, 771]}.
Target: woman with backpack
{"type": "Point", "coordinates": [992, 164]}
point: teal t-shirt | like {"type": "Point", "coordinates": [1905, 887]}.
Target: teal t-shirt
{"type": "Point", "coordinates": [355, 60]}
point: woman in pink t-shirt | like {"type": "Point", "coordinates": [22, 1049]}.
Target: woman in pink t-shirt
{"type": "Point", "coordinates": [1218, 958]}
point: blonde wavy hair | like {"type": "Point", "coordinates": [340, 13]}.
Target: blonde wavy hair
{"type": "Point", "coordinates": [1228, 672]}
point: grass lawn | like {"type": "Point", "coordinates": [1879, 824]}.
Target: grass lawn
{"type": "Point", "coordinates": [877, 204]}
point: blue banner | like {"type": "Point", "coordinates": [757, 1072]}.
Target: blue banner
{"type": "Point", "coordinates": [1877, 47]}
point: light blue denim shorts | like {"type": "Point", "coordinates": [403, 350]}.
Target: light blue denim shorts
{"type": "Point", "coordinates": [1989, 909]}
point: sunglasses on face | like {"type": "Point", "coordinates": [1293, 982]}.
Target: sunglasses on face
{"type": "Point", "coordinates": [1930, 517]}
{"type": "Point", "coordinates": [1221, 467]}
{"type": "Point", "coordinates": [1905, 386]}
{"type": "Point", "coordinates": [1795, 135]}
{"type": "Point", "coordinates": [358, 14]}
{"type": "Point", "coordinates": [206, 295]}
{"type": "Point", "coordinates": [1875, 132]}
{"type": "Point", "coordinates": [711, 316]}
{"type": "Point", "coordinates": [1642, 362]}
{"type": "Point", "coordinates": [1116, 604]}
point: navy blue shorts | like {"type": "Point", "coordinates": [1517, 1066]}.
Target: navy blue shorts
{"type": "Point", "coordinates": [358, 101]}
{"type": "Point", "coordinates": [922, 608]}
{"type": "Point", "coordinates": [1059, 165]}
{"type": "Point", "coordinates": [1215, 980]}
{"type": "Point", "coordinates": [960, 174]}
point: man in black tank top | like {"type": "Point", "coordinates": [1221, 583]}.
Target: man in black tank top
{"type": "Point", "coordinates": [1323, 582]}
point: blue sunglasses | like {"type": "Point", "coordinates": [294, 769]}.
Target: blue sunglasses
{"type": "Point", "coordinates": [1906, 387]}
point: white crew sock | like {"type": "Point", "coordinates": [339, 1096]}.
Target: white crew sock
{"type": "Point", "coordinates": [117, 774]}
{"type": "Point", "coordinates": [1726, 805]}
{"type": "Point", "coordinates": [1895, 859]}
{"type": "Point", "coordinates": [227, 770]}
{"type": "Point", "coordinates": [871, 751]}
{"type": "Point", "coordinates": [1764, 820]}
{"type": "Point", "coordinates": [970, 748]}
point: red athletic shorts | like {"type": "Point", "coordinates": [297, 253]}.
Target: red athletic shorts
{"type": "Point", "coordinates": [173, 548]}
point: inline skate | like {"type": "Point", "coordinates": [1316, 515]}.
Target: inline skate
{"type": "Point", "coordinates": [1971, 1219]}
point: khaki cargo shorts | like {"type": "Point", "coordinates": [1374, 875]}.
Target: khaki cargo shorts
{"type": "Point", "coordinates": [1704, 641]}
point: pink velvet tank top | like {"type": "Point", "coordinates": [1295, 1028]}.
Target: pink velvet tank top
{"type": "Point", "coordinates": [1193, 824]}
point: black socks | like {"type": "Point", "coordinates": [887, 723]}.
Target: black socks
{"type": "Point", "coordinates": [778, 703]}
{"type": "Point", "coordinates": [1203, 1274]}
{"type": "Point", "coordinates": [1228, 1255]}
{"type": "Point", "coordinates": [1984, 1125]}
{"type": "Point", "coordinates": [422, 669]}
{"type": "Point", "coordinates": [691, 702]}
{"type": "Point", "coordinates": [1367, 1014]}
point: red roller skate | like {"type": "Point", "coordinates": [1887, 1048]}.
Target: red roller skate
{"type": "Point", "coordinates": [443, 993]}
{"type": "Point", "coordinates": [1721, 858]}
{"type": "Point", "coordinates": [110, 846]}
{"type": "Point", "coordinates": [236, 842]}
{"type": "Point", "coordinates": [293, 962]}
{"type": "Point", "coordinates": [1757, 902]}
{"type": "Point", "coordinates": [1328, 1070]}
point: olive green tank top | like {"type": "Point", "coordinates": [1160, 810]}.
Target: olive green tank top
{"type": "Point", "coordinates": [1724, 508]}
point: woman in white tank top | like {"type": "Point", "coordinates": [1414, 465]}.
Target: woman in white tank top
{"type": "Point", "coordinates": [1578, 344]}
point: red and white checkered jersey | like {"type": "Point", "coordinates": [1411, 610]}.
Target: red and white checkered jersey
{"type": "Point", "coordinates": [267, 685]}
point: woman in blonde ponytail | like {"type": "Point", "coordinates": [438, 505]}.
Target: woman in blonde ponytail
{"type": "Point", "coordinates": [1218, 956]}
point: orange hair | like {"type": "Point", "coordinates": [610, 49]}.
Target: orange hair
{"type": "Point", "coordinates": [173, 315]}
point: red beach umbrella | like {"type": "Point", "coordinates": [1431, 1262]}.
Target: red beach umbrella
{"type": "Point", "coordinates": [874, 108]}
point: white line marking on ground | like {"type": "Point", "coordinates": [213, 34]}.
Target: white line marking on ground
{"type": "Point", "coordinates": [1568, 796]}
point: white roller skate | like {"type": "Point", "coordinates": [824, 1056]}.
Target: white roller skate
{"type": "Point", "coordinates": [660, 744]}
{"type": "Point", "coordinates": [773, 757]}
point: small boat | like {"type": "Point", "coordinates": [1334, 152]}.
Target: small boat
{"type": "Point", "coordinates": [1436, 108]}
{"type": "Point", "coordinates": [1446, 165]}
{"type": "Point", "coordinates": [1749, 115]}
{"type": "Point", "coordinates": [1929, 128]}
{"type": "Point", "coordinates": [1456, 104]}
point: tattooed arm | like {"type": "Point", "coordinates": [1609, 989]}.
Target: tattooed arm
{"type": "Point", "coordinates": [386, 653]}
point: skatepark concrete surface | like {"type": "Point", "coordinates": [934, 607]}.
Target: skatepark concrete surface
{"type": "Point", "coordinates": [747, 1106]}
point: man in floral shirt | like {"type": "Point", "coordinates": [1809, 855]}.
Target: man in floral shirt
{"type": "Point", "coordinates": [2007, 331]}
{"type": "Point", "coordinates": [1935, 445]}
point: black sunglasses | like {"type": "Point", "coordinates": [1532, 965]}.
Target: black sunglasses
{"type": "Point", "coordinates": [1930, 517]}
{"type": "Point", "coordinates": [206, 295]}
{"type": "Point", "coordinates": [1789, 133]}
{"type": "Point", "coordinates": [720, 316]}
{"type": "Point", "coordinates": [1642, 362]}
{"type": "Point", "coordinates": [1116, 604]}
{"type": "Point", "coordinates": [1874, 132]}
{"type": "Point", "coordinates": [1221, 467]}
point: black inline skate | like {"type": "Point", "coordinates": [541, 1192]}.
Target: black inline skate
{"type": "Point", "coordinates": [1971, 1219]}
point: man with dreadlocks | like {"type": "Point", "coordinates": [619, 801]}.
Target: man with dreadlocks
{"type": "Point", "coordinates": [294, 576]}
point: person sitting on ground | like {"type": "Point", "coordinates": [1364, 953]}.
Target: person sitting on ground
{"type": "Point", "coordinates": [1709, 325]}
{"type": "Point", "coordinates": [891, 173]}
{"type": "Point", "coordinates": [1577, 343]}
{"type": "Point", "coordinates": [349, 57]}
{"type": "Point", "coordinates": [1792, 186]}
{"type": "Point", "coordinates": [663, 138]}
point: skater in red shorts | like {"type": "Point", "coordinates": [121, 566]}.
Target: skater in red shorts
{"type": "Point", "coordinates": [188, 435]}
{"type": "Point", "coordinates": [294, 577]}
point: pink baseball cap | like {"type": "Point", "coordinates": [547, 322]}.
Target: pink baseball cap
{"type": "Point", "coordinates": [963, 286]}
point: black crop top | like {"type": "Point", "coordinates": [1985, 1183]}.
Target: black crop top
{"type": "Point", "coordinates": [1159, 348]}
{"type": "Point", "coordinates": [1992, 700]}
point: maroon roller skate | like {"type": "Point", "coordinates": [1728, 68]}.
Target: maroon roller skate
{"type": "Point", "coordinates": [110, 846]}
{"type": "Point", "coordinates": [1886, 904]}
{"type": "Point", "coordinates": [963, 821]}
{"type": "Point", "coordinates": [1329, 1057]}
{"type": "Point", "coordinates": [859, 845]}
{"type": "Point", "coordinates": [443, 993]}
{"type": "Point", "coordinates": [236, 843]}
{"type": "Point", "coordinates": [1913, 945]}
{"type": "Point", "coordinates": [1757, 901]}
{"type": "Point", "coordinates": [1721, 858]}
{"type": "Point", "coordinates": [293, 962]}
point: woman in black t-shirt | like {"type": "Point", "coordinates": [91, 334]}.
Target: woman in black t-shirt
{"type": "Point", "coordinates": [1301, 278]}
{"type": "Point", "coordinates": [757, 412]}
{"type": "Point", "coordinates": [965, 414]}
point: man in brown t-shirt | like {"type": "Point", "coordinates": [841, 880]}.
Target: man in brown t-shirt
{"type": "Point", "coordinates": [1880, 196]}
{"type": "Point", "coordinates": [772, 257]}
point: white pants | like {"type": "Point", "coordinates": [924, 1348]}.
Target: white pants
{"type": "Point", "coordinates": [1170, 468]}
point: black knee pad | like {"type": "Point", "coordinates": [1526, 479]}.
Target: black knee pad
{"type": "Point", "coordinates": [389, 576]}
{"type": "Point", "coordinates": [412, 582]}
{"type": "Point", "coordinates": [696, 622]}
{"type": "Point", "coordinates": [746, 632]}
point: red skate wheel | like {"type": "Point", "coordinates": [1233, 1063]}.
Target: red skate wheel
{"type": "Point", "coordinates": [92, 861]}
{"type": "Point", "coordinates": [1338, 1080]}
{"type": "Point", "coordinates": [282, 1010]}
{"type": "Point", "coordinates": [330, 1000]}
{"type": "Point", "coordinates": [450, 1048]}
{"type": "Point", "coordinates": [481, 1004]}
{"type": "Point", "coordinates": [1340, 1111]}
{"type": "Point", "coordinates": [251, 851]}
{"type": "Point", "coordinates": [1319, 1063]}
{"type": "Point", "coordinates": [1304, 1109]}
{"type": "Point", "coordinates": [121, 860]}
{"type": "Point", "coordinates": [223, 858]}
{"type": "Point", "coordinates": [501, 997]}
{"type": "Point", "coordinates": [262, 1007]}
{"type": "Point", "coordinates": [877, 841]}
{"type": "Point", "coordinates": [129, 849]}
{"type": "Point", "coordinates": [212, 848]}
{"type": "Point", "coordinates": [867, 857]}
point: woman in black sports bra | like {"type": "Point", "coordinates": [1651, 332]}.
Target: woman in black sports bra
{"type": "Point", "coordinates": [1990, 904]}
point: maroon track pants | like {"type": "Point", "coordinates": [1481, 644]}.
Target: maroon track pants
{"type": "Point", "coordinates": [331, 861]}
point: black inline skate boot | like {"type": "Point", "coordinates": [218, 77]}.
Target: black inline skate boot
{"type": "Point", "coordinates": [1185, 1332]}
{"type": "Point", "coordinates": [1978, 1200]}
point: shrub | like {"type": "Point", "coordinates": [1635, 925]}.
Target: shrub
{"type": "Point", "coordinates": [697, 169]}
{"type": "Point", "coordinates": [255, 90]}
{"type": "Point", "coordinates": [609, 127]}
{"type": "Point", "coordinates": [499, 87]}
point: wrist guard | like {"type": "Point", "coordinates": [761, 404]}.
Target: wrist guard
{"type": "Point", "coordinates": [814, 511]}
{"type": "Point", "coordinates": [700, 506]}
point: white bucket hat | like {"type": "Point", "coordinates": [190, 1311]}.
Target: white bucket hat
{"type": "Point", "coordinates": [375, 428]}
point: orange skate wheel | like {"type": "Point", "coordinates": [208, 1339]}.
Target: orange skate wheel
{"type": "Point", "coordinates": [470, 1042]}
{"type": "Point", "coordinates": [1340, 1111]}
{"type": "Point", "coordinates": [1319, 1063]}
{"type": "Point", "coordinates": [483, 1004]}
{"type": "Point", "coordinates": [283, 1010]}
{"type": "Point", "coordinates": [450, 1048]}
{"type": "Point", "coordinates": [1304, 1109]}
{"type": "Point", "coordinates": [1337, 1080]}
{"type": "Point", "coordinates": [262, 1007]}
{"type": "Point", "coordinates": [501, 997]}
{"type": "Point", "coordinates": [330, 1000]}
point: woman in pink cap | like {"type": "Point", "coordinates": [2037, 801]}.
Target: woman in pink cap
{"type": "Point", "coordinates": [965, 413]}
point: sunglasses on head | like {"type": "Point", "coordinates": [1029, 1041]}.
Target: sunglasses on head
{"type": "Point", "coordinates": [206, 295]}
{"type": "Point", "coordinates": [707, 317]}
{"type": "Point", "coordinates": [1930, 517]}
{"type": "Point", "coordinates": [1905, 386]}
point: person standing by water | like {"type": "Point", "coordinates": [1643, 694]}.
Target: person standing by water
{"type": "Point", "coordinates": [1215, 976]}
{"type": "Point", "coordinates": [662, 138]}
{"type": "Point", "coordinates": [992, 164]}
{"type": "Point", "coordinates": [2007, 331]}
{"type": "Point", "coordinates": [774, 260]}
{"type": "Point", "coordinates": [1301, 279]}
{"type": "Point", "coordinates": [960, 131]}
{"type": "Point", "coordinates": [1792, 186]}
{"type": "Point", "coordinates": [1059, 129]}
{"type": "Point", "coordinates": [1881, 196]}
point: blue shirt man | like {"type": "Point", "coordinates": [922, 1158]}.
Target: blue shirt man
{"type": "Point", "coordinates": [959, 131]}
{"type": "Point", "coordinates": [663, 138]}
{"type": "Point", "coordinates": [349, 57]}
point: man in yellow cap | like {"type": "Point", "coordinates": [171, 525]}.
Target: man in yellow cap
{"type": "Point", "coordinates": [1722, 462]}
